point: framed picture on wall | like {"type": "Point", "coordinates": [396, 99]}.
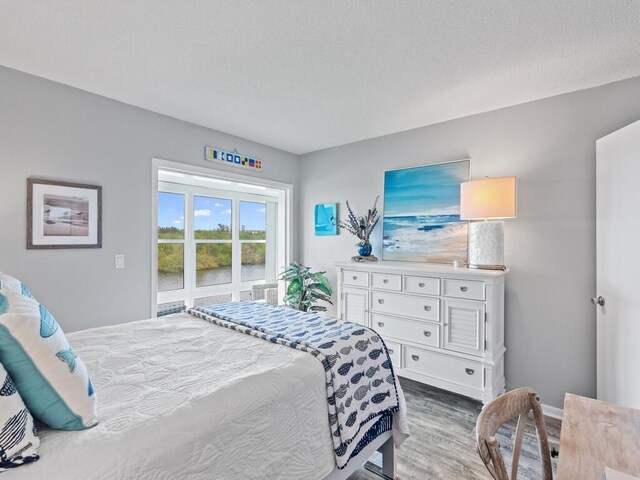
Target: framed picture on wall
{"type": "Point", "coordinates": [326, 219]}
{"type": "Point", "coordinates": [63, 215]}
{"type": "Point", "coordinates": [421, 220]}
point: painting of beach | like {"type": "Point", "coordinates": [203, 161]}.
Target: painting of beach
{"type": "Point", "coordinates": [421, 220]}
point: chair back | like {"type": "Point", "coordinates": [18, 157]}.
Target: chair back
{"type": "Point", "coordinates": [516, 403]}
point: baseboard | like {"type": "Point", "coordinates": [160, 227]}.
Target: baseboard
{"type": "Point", "coordinates": [552, 412]}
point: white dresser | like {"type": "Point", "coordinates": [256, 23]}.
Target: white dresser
{"type": "Point", "coordinates": [442, 325]}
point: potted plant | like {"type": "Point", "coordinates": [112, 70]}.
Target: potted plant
{"type": "Point", "coordinates": [305, 288]}
{"type": "Point", "coordinates": [362, 227]}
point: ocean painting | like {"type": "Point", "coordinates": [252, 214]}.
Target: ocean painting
{"type": "Point", "coordinates": [326, 219]}
{"type": "Point", "coordinates": [421, 220]}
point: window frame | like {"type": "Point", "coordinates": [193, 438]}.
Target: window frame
{"type": "Point", "coordinates": [280, 245]}
{"type": "Point", "coordinates": [191, 290]}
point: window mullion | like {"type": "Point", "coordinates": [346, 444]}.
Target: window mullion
{"type": "Point", "coordinates": [236, 270]}
{"type": "Point", "coordinates": [189, 253]}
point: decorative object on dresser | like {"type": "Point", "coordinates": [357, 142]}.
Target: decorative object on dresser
{"type": "Point", "coordinates": [489, 198]}
{"type": "Point", "coordinates": [63, 215]}
{"type": "Point", "coordinates": [421, 219]}
{"type": "Point", "coordinates": [362, 227]}
{"type": "Point", "coordinates": [444, 326]}
{"type": "Point", "coordinates": [305, 288]}
{"type": "Point", "coordinates": [326, 219]}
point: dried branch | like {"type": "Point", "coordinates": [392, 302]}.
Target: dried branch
{"type": "Point", "coordinates": [360, 226]}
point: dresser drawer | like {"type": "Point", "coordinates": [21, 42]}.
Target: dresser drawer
{"type": "Point", "coordinates": [470, 289]}
{"type": "Point", "coordinates": [424, 285]}
{"type": "Point", "coordinates": [409, 330]}
{"type": "Point", "coordinates": [451, 369]}
{"type": "Point", "coordinates": [395, 353]}
{"type": "Point", "coordinates": [388, 281]}
{"type": "Point", "coordinates": [355, 278]}
{"type": "Point", "coordinates": [424, 308]}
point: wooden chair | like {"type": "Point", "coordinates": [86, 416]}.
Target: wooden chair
{"type": "Point", "coordinates": [516, 403]}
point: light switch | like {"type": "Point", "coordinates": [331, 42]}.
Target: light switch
{"type": "Point", "coordinates": [120, 261]}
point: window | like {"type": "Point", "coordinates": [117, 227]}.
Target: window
{"type": "Point", "coordinates": [215, 242]}
{"type": "Point", "coordinates": [170, 241]}
{"type": "Point", "coordinates": [212, 224]}
{"type": "Point", "coordinates": [253, 239]}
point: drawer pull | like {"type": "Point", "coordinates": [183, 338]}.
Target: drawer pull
{"type": "Point", "coordinates": [427, 308]}
{"type": "Point", "coordinates": [386, 280]}
{"type": "Point", "coordinates": [381, 324]}
{"type": "Point", "coordinates": [415, 358]}
{"type": "Point", "coordinates": [427, 333]}
{"type": "Point", "coordinates": [421, 284]}
{"type": "Point", "coordinates": [390, 350]}
{"type": "Point", "coordinates": [355, 277]}
{"type": "Point", "coordinates": [463, 289]}
{"type": "Point", "coordinates": [470, 371]}
{"type": "Point", "coordinates": [381, 301]}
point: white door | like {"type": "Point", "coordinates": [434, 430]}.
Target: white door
{"type": "Point", "coordinates": [618, 266]}
{"type": "Point", "coordinates": [355, 305]}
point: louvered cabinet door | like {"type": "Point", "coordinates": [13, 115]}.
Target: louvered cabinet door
{"type": "Point", "coordinates": [355, 305]}
{"type": "Point", "coordinates": [464, 326]}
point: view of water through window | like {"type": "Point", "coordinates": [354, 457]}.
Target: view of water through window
{"type": "Point", "coordinates": [213, 241]}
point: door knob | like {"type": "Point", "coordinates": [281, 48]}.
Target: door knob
{"type": "Point", "coordinates": [598, 301]}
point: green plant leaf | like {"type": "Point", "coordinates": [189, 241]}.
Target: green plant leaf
{"type": "Point", "coordinates": [295, 287]}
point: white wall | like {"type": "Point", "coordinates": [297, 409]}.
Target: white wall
{"type": "Point", "coordinates": [52, 131]}
{"type": "Point", "coordinates": [550, 146]}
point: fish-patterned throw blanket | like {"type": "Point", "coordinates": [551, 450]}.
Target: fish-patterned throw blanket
{"type": "Point", "coordinates": [361, 385]}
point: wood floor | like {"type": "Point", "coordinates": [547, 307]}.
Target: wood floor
{"type": "Point", "coordinates": [442, 445]}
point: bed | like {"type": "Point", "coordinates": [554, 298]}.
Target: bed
{"type": "Point", "coordinates": [182, 398]}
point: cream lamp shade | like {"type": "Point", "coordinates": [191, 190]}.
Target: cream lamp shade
{"type": "Point", "coordinates": [488, 198]}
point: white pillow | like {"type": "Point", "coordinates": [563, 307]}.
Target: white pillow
{"type": "Point", "coordinates": [18, 439]}
{"type": "Point", "coordinates": [52, 380]}
{"type": "Point", "coordinates": [11, 284]}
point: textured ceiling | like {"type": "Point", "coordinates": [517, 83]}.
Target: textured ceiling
{"type": "Point", "coordinates": [303, 75]}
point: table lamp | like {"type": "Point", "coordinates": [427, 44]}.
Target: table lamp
{"type": "Point", "coordinates": [487, 199]}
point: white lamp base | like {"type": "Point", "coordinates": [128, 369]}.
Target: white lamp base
{"type": "Point", "coordinates": [486, 245]}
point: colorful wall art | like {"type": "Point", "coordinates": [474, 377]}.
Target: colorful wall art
{"type": "Point", "coordinates": [421, 220]}
{"type": "Point", "coordinates": [326, 219]}
{"type": "Point", "coordinates": [232, 158]}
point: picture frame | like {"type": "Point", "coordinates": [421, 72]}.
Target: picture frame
{"type": "Point", "coordinates": [421, 215]}
{"type": "Point", "coordinates": [325, 219]}
{"type": "Point", "coordinates": [63, 215]}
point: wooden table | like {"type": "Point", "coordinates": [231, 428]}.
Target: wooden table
{"type": "Point", "coordinates": [596, 434]}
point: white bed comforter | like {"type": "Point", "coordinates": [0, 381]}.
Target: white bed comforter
{"type": "Point", "coordinates": [180, 398]}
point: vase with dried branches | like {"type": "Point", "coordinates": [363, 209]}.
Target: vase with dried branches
{"type": "Point", "coordinates": [361, 226]}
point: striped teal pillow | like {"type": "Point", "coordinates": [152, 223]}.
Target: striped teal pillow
{"type": "Point", "coordinates": [18, 439]}
{"type": "Point", "coordinates": [52, 380]}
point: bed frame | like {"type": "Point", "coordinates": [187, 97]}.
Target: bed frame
{"type": "Point", "coordinates": [383, 444]}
